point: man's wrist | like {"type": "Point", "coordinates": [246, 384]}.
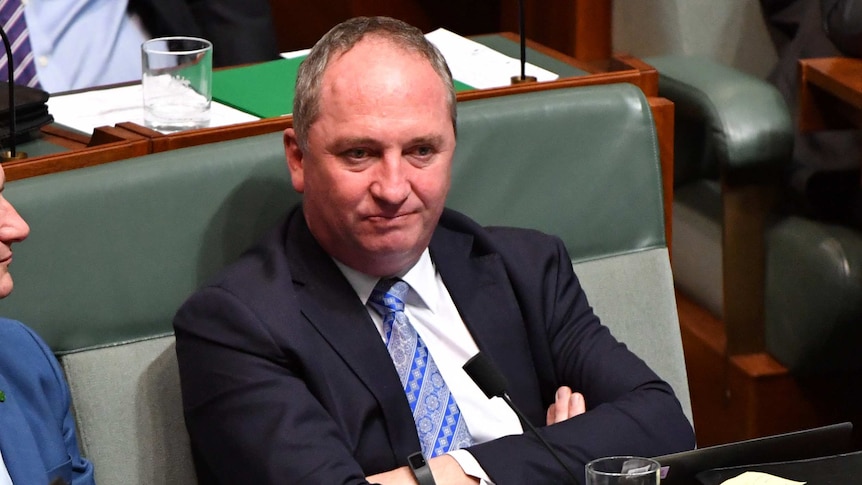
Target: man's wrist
{"type": "Point", "coordinates": [420, 468]}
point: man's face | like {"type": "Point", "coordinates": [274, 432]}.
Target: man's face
{"type": "Point", "coordinates": [12, 229]}
{"type": "Point", "coordinates": [378, 164]}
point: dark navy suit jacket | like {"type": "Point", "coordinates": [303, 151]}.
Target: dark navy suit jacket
{"type": "Point", "coordinates": [286, 380]}
{"type": "Point", "coordinates": [242, 31]}
{"type": "Point", "coordinates": [37, 429]}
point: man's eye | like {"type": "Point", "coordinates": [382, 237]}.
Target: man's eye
{"type": "Point", "coordinates": [356, 153]}
{"type": "Point", "coordinates": [424, 151]}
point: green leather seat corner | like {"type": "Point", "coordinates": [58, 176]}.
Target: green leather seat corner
{"type": "Point", "coordinates": [560, 176]}
{"type": "Point", "coordinates": [115, 249]}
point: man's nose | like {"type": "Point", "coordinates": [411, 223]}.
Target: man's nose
{"type": "Point", "coordinates": [391, 184]}
{"type": "Point", "coordinates": [13, 228]}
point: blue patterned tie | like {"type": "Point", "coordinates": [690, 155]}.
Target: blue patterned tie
{"type": "Point", "coordinates": [438, 419]}
{"type": "Point", "coordinates": [15, 25]}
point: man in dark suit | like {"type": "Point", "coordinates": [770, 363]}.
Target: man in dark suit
{"type": "Point", "coordinates": [290, 375]}
{"type": "Point", "coordinates": [38, 441]}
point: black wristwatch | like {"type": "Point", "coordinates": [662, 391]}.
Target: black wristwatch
{"type": "Point", "coordinates": [420, 468]}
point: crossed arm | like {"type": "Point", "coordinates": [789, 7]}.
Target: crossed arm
{"type": "Point", "coordinates": [446, 469]}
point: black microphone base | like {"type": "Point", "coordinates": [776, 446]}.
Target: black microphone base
{"type": "Point", "coordinates": [522, 80]}
{"type": "Point", "coordinates": [6, 155]}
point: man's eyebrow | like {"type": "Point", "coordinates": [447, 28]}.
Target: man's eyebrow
{"type": "Point", "coordinates": [343, 143]}
{"type": "Point", "coordinates": [427, 140]}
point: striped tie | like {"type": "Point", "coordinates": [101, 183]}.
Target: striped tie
{"type": "Point", "coordinates": [15, 25]}
{"type": "Point", "coordinates": [437, 416]}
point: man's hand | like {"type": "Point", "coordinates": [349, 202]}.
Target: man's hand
{"type": "Point", "coordinates": [568, 404]}
{"type": "Point", "coordinates": [445, 469]}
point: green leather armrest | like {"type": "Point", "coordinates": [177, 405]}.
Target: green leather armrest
{"type": "Point", "coordinates": [746, 121]}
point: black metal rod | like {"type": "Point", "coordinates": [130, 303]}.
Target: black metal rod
{"type": "Point", "coordinates": [522, 28]}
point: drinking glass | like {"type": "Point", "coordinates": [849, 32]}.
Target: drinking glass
{"type": "Point", "coordinates": [177, 82]}
{"type": "Point", "coordinates": [623, 470]}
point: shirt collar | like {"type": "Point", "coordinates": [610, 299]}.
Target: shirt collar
{"type": "Point", "coordinates": [421, 277]}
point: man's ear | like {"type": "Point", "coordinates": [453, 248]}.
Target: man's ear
{"type": "Point", "coordinates": [295, 160]}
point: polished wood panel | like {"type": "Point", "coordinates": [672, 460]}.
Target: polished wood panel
{"type": "Point", "coordinates": [299, 24]}
{"type": "Point", "coordinates": [663, 114]}
{"type": "Point", "coordinates": [830, 94]}
{"type": "Point", "coordinates": [734, 398]}
{"type": "Point", "coordinates": [581, 28]}
{"type": "Point", "coordinates": [752, 395]}
{"type": "Point", "coordinates": [107, 144]}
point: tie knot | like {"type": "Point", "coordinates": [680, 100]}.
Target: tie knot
{"type": "Point", "coordinates": [388, 296]}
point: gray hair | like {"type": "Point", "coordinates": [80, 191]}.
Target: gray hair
{"type": "Point", "coordinates": [342, 38]}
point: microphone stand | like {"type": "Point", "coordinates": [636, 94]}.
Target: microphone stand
{"type": "Point", "coordinates": [523, 78]}
{"type": "Point", "coordinates": [488, 378]}
{"type": "Point", "coordinates": [10, 154]}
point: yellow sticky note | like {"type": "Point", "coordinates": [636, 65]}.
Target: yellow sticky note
{"type": "Point", "coordinates": [759, 478]}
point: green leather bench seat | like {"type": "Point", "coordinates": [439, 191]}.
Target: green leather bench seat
{"type": "Point", "coordinates": [114, 249]}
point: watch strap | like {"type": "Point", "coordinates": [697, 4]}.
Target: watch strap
{"type": "Point", "coordinates": [420, 468]}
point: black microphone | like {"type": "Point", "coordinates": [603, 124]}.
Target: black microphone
{"type": "Point", "coordinates": [483, 372]}
{"type": "Point", "coordinates": [11, 75]}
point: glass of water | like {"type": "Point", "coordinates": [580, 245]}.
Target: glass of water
{"type": "Point", "coordinates": [623, 470]}
{"type": "Point", "coordinates": [177, 82]}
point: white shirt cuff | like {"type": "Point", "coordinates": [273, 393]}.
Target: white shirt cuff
{"type": "Point", "coordinates": [470, 466]}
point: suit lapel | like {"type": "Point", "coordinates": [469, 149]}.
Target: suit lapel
{"type": "Point", "coordinates": [17, 443]}
{"type": "Point", "coordinates": [479, 285]}
{"type": "Point", "coordinates": [328, 301]}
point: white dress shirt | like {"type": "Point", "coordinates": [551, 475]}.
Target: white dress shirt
{"type": "Point", "coordinates": [433, 314]}
{"type": "Point", "coordinates": [5, 479]}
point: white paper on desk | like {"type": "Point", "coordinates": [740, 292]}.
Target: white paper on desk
{"type": "Point", "coordinates": [759, 478]}
{"type": "Point", "coordinates": [471, 62]}
{"type": "Point", "coordinates": [88, 110]}
{"type": "Point", "coordinates": [480, 66]}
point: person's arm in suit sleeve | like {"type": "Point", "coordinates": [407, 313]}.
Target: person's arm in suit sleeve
{"type": "Point", "coordinates": [61, 399]}
{"type": "Point", "coordinates": [842, 22]}
{"type": "Point", "coordinates": [630, 410]}
{"type": "Point", "coordinates": [250, 416]}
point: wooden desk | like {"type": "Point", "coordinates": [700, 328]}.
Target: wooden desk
{"type": "Point", "coordinates": [581, 28]}
{"type": "Point", "coordinates": [73, 150]}
{"type": "Point", "coordinates": [830, 95]}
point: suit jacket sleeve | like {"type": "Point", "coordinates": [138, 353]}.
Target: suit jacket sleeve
{"type": "Point", "coordinates": [241, 31]}
{"type": "Point", "coordinates": [630, 410]}
{"type": "Point", "coordinates": [82, 469]}
{"type": "Point", "coordinates": [45, 437]}
{"type": "Point", "coordinates": [250, 414]}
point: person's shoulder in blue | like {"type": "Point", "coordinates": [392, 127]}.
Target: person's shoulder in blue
{"type": "Point", "coordinates": [38, 441]}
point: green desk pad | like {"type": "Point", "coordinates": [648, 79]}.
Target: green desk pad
{"type": "Point", "coordinates": [266, 89]}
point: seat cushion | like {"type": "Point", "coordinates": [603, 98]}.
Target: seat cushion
{"type": "Point", "coordinates": [129, 412]}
